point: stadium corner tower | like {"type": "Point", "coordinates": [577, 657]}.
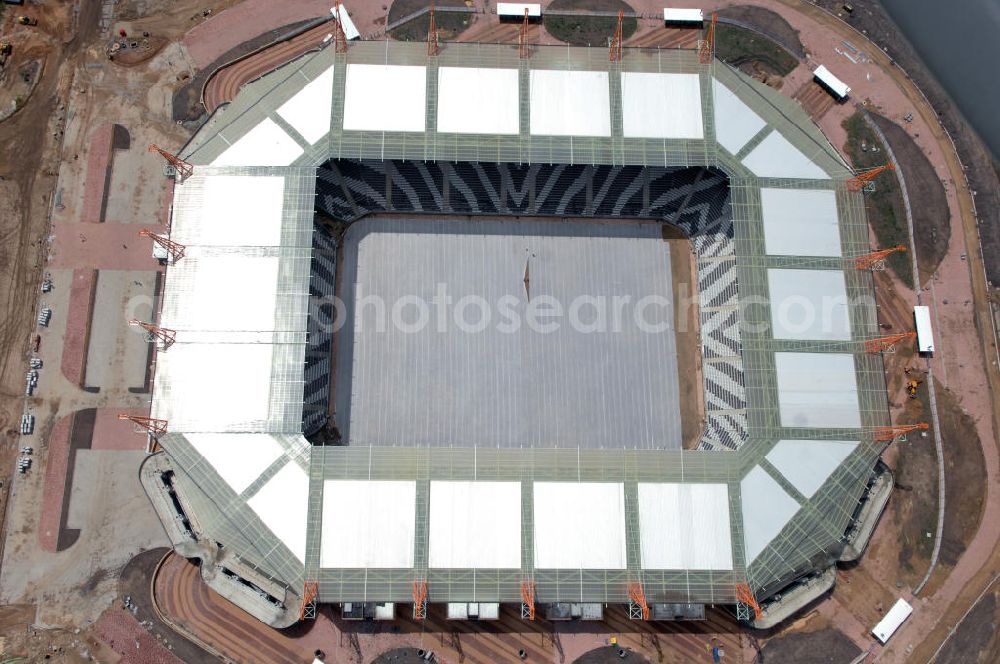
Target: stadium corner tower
{"type": "Point", "coordinates": [315, 453]}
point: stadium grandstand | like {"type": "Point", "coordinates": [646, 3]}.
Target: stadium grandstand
{"type": "Point", "coordinates": [305, 465]}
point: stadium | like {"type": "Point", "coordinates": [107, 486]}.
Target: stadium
{"type": "Point", "coordinates": [311, 456]}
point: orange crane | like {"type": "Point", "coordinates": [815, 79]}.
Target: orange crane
{"type": "Point", "coordinates": [637, 597]}
{"type": "Point", "coordinates": [165, 336]}
{"type": "Point", "coordinates": [889, 434]}
{"type": "Point", "coordinates": [184, 169]}
{"type": "Point", "coordinates": [310, 593]}
{"type": "Point", "coordinates": [340, 37]}
{"type": "Point", "coordinates": [175, 249]}
{"type": "Point", "coordinates": [745, 596]}
{"type": "Point", "coordinates": [433, 48]}
{"type": "Point", "coordinates": [876, 259]}
{"type": "Point", "coordinates": [528, 600]}
{"type": "Point", "coordinates": [419, 599]}
{"type": "Point", "coordinates": [615, 52]}
{"type": "Point", "coordinates": [149, 425]}
{"type": "Point", "coordinates": [862, 178]}
{"type": "Point", "coordinates": [879, 344]}
{"type": "Point", "coordinates": [523, 37]}
{"type": "Point", "coordinates": [706, 47]}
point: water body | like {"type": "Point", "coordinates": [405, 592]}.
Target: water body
{"type": "Point", "coordinates": [960, 43]}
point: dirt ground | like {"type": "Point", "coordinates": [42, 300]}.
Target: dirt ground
{"type": "Point", "coordinates": [588, 31]}
{"type": "Point", "coordinates": [768, 23]}
{"type": "Point", "coordinates": [931, 218]}
{"type": "Point", "coordinates": [824, 646]}
{"type": "Point", "coordinates": [981, 170]}
{"type": "Point", "coordinates": [977, 638]}
{"type": "Point", "coordinates": [687, 335]}
{"type": "Point", "coordinates": [449, 24]}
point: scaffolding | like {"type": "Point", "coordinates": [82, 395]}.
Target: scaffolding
{"type": "Point", "coordinates": [887, 343]}
{"type": "Point", "coordinates": [864, 180]}
{"type": "Point", "coordinates": [638, 609]}
{"type": "Point", "coordinates": [527, 594]}
{"type": "Point", "coordinates": [522, 38]}
{"type": "Point", "coordinates": [310, 594]}
{"type": "Point", "coordinates": [340, 37]}
{"type": "Point", "coordinates": [706, 46]}
{"type": "Point", "coordinates": [615, 48]}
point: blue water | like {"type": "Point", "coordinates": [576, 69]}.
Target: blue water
{"type": "Point", "coordinates": [959, 40]}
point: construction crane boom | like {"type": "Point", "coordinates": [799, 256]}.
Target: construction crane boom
{"type": "Point", "coordinates": [165, 336]}
{"type": "Point", "coordinates": [528, 600]}
{"type": "Point", "coordinates": [639, 608]}
{"type": "Point", "coordinates": [340, 37]}
{"type": "Point", "coordinates": [615, 51]}
{"type": "Point", "coordinates": [419, 599]}
{"type": "Point", "coordinates": [523, 37]}
{"type": "Point", "coordinates": [889, 434]}
{"type": "Point", "coordinates": [183, 168]}
{"type": "Point", "coordinates": [876, 259]}
{"type": "Point", "coordinates": [310, 593]}
{"type": "Point", "coordinates": [174, 249]}
{"type": "Point", "coordinates": [880, 344]}
{"type": "Point", "coordinates": [149, 425]}
{"type": "Point", "coordinates": [746, 597]}
{"type": "Point", "coordinates": [858, 182]}
{"type": "Point", "coordinates": [706, 47]}
{"type": "Point", "coordinates": [433, 48]}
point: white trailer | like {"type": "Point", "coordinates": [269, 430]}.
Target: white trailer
{"type": "Point", "coordinates": [837, 87]}
{"type": "Point", "coordinates": [899, 612]}
{"type": "Point", "coordinates": [514, 11]}
{"type": "Point", "coordinates": [925, 335]}
{"type": "Point", "coordinates": [678, 16]}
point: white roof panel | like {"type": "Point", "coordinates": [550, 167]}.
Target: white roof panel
{"type": "Point", "coordinates": [807, 464]}
{"type": "Point", "coordinates": [809, 304]}
{"type": "Point", "coordinates": [735, 122]}
{"type": "Point", "coordinates": [767, 509]}
{"type": "Point", "coordinates": [661, 105]}
{"type": "Point", "coordinates": [283, 505]}
{"type": "Point", "coordinates": [800, 222]}
{"type": "Point", "coordinates": [385, 98]}
{"type": "Point", "coordinates": [478, 101]}
{"type": "Point", "coordinates": [267, 144]}
{"type": "Point", "coordinates": [579, 525]}
{"type": "Point", "coordinates": [570, 103]}
{"type": "Point", "coordinates": [239, 458]}
{"type": "Point", "coordinates": [475, 525]}
{"type": "Point", "coordinates": [378, 519]}
{"type": "Point", "coordinates": [207, 299]}
{"type": "Point", "coordinates": [309, 110]}
{"type": "Point", "coordinates": [213, 387]}
{"type": "Point", "coordinates": [229, 210]}
{"type": "Point", "coordinates": [775, 157]}
{"type": "Point", "coordinates": [817, 390]}
{"type": "Point", "coordinates": [685, 526]}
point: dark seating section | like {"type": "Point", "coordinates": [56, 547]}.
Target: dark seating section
{"type": "Point", "coordinates": [349, 189]}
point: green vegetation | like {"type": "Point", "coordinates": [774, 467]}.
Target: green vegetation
{"type": "Point", "coordinates": [886, 212]}
{"type": "Point", "coordinates": [588, 30]}
{"type": "Point", "coordinates": [739, 46]}
{"type": "Point", "coordinates": [449, 24]}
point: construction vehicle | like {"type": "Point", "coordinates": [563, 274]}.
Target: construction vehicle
{"type": "Point", "coordinates": [911, 387]}
{"type": "Point", "coordinates": [5, 50]}
{"type": "Point", "coordinates": [27, 20]}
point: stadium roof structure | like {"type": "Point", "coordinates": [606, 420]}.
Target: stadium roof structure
{"type": "Point", "coordinates": [364, 522]}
